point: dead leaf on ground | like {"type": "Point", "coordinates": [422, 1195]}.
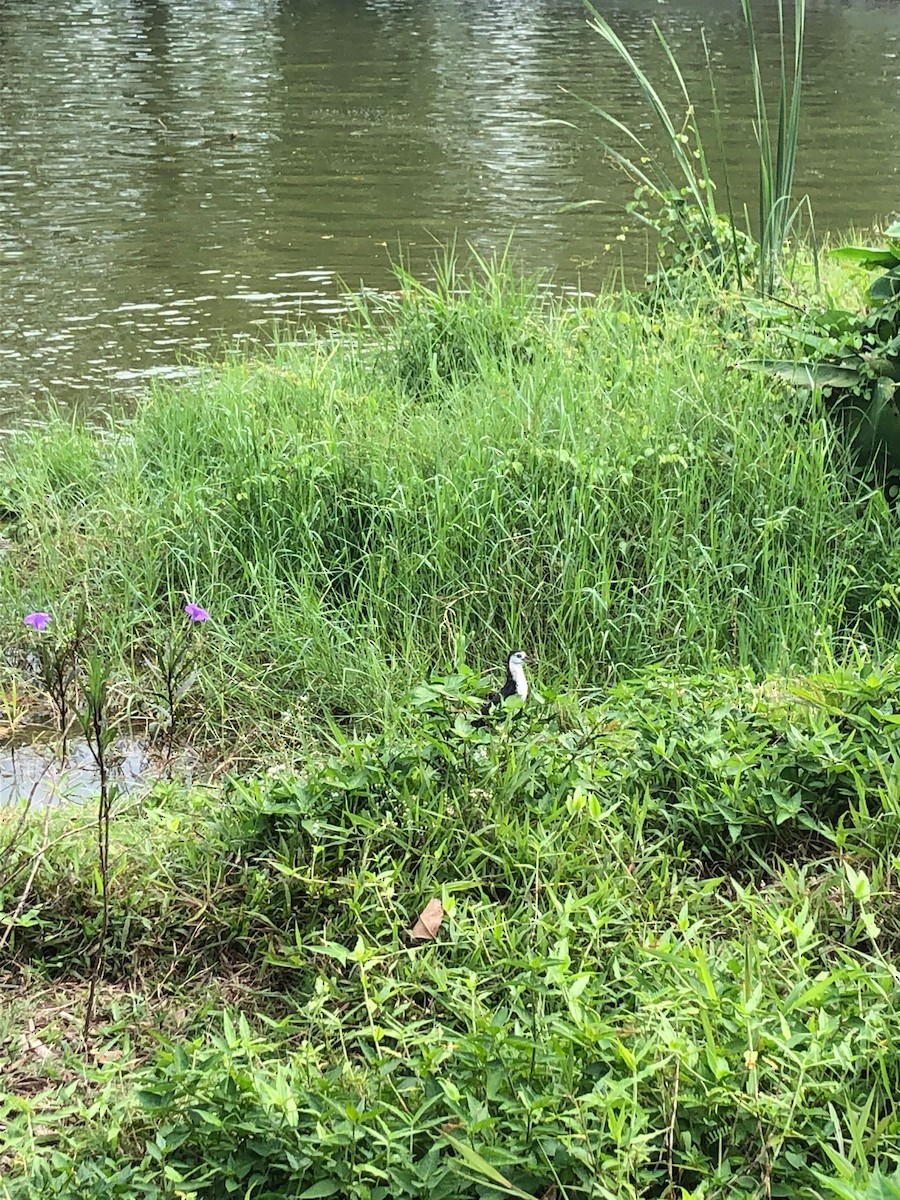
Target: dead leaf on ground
{"type": "Point", "coordinates": [429, 921]}
{"type": "Point", "coordinates": [113, 1054]}
{"type": "Point", "coordinates": [551, 1193]}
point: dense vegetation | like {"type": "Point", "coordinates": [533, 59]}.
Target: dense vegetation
{"type": "Point", "coordinates": [594, 481]}
{"type": "Point", "coordinates": [666, 965]}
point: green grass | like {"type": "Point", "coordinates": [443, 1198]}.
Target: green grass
{"type": "Point", "coordinates": [666, 966]}
{"type": "Point", "coordinates": [667, 963]}
{"type": "Point", "coordinates": [487, 466]}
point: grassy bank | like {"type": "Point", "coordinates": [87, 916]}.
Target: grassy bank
{"type": "Point", "coordinates": [595, 482]}
{"type": "Point", "coordinates": [666, 963]}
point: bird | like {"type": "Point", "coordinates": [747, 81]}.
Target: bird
{"type": "Point", "coordinates": [516, 685]}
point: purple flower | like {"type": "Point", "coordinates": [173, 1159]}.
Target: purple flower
{"type": "Point", "coordinates": [195, 612]}
{"type": "Point", "coordinates": [38, 620]}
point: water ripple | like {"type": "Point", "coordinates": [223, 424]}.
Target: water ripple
{"type": "Point", "coordinates": [173, 177]}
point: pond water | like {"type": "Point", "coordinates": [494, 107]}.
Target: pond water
{"type": "Point", "coordinates": [178, 174]}
{"type": "Point", "coordinates": [34, 771]}
{"type": "Point", "coordinates": [31, 769]}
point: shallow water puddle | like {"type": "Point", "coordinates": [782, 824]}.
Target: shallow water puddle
{"type": "Point", "coordinates": [31, 768]}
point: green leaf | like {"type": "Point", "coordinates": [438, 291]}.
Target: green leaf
{"type": "Point", "coordinates": [869, 257]}
{"type": "Point", "coordinates": [334, 950]}
{"type": "Point", "coordinates": [886, 287]}
{"type": "Point", "coordinates": [153, 1098]}
{"type": "Point", "coordinates": [870, 925]}
{"type": "Point", "coordinates": [835, 320]}
{"type": "Point", "coordinates": [187, 685]}
{"type": "Point", "coordinates": [858, 881]}
{"type": "Point", "coordinates": [483, 1170]}
{"type": "Point", "coordinates": [806, 374]}
{"type": "Point", "coordinates": [231, 1038]}
{"type": "Point", "coordinates": [327, 1187]}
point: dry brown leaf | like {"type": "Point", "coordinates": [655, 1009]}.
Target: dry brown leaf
{"type": "Point", "coordinates": [551, 1193]}
{"type": "Point", "coordinates": [429, 921]}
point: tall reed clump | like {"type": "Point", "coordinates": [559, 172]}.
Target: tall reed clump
{"type": "Point", "coordinates": [614, 497]}
{"type": "Point", "coordinates": [778, 149]}
{"type": "Point", "coordinates": [715, 237]}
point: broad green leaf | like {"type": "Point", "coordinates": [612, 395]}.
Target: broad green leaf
{"type": "Point", "coordinates": [806, 374]}
{"type": "Point", "coordinates": [886, 287]}
{"type": "Point", "coordinates": [869, 257]}
{"type": "Point", "coordinates": [327, 1187]}
{"type": "Point", "coordinates": [835, 320]}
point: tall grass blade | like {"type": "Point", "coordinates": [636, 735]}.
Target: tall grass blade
{"type": "Point", "coordinates": [777, 161]}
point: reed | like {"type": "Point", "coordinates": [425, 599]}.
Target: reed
{"type": "Point", "coordinates": [778, 148]}
{"type": "Point", "coordinates": [777, 137]}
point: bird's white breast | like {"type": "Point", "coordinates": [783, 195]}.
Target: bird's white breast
{"type": "Point", "coordinates": [518, 676]}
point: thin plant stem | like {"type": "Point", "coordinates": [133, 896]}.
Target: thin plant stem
{"type": "Point", "coordinates": [98, 732]}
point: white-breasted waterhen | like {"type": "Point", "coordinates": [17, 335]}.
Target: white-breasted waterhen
{"type": "Point", "coordinates": [515, 685]}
